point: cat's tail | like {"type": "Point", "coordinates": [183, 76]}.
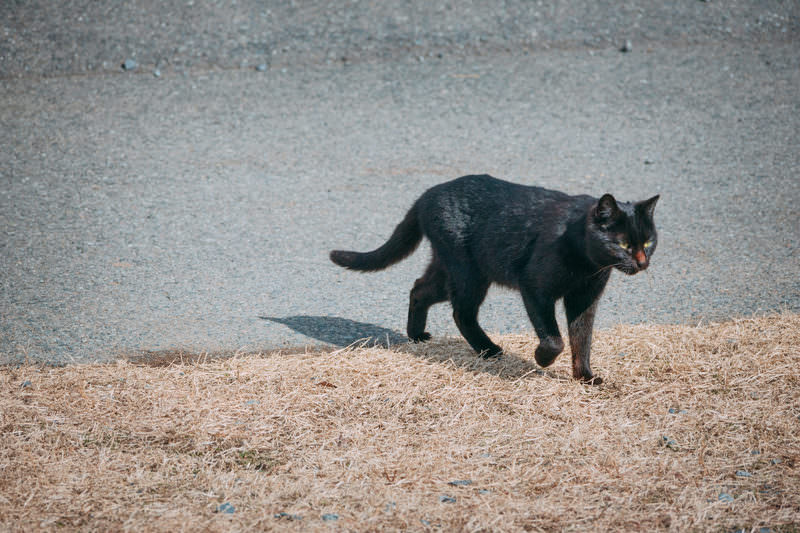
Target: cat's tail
{"type": "Point", "coordinates": [405, 239]}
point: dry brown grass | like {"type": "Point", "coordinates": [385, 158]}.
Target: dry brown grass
{"type": "Point", "coordinates": [375, 435]}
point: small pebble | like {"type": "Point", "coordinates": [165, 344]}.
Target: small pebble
{"type": "Point", "coordinates": [627, 47]}
{"type": "Point", "coordinates": [262, 67]}
{"type": "Point", "coordinates": [460, 482]}
{"type": "Point", "coordinates": [446, 499]}
{"type": "Point", "coordinates": [725, 497]}
{"type": "Point", "coordinates": [157, 73]}
{"type": "Point", "coordinates": [330, 517]}
{"type": "Point", "coordinates": [26, 384]}
{"type": "Point", "coordinates": [743, 473]}
{"type": "Point", "coordinates": [226, 508]}
{"type": "Point", "coordinates": [129, 64]}
{"type": "Point", "coordinates": [776, 461]}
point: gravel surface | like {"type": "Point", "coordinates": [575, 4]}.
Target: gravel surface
{"type": "Point", "coordinates": [48, 38]}
{"type": "Point", "coordinates": [194, 209]}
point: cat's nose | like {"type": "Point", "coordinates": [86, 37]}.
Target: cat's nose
{"type": "Point", "coordinates": [641, 259]}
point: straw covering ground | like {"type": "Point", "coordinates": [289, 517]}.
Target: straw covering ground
{"type": "Point", "coordinates": [695, 428]}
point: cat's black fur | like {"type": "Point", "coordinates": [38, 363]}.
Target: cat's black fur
{"type": "Point", "coordinates": [546, 244]}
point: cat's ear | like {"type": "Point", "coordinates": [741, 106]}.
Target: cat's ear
{"type": "Point", "coordinates": [606, 210]}
{"type": "Point", "coordinates": [648, 206]}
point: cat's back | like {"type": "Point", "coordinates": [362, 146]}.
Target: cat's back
{"type": "Point", "coordinates": [484, 194]}
{"type": "Point", "coordinates": [458, 210]}
{"type": "Point", "coordinates": [484, 205]}
{"type": "Point", "coordinates": [475, 189]}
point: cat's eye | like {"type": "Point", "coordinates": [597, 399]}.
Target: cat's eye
{"type": "Point", "coordinates": [624, 244]}
{"type": "Point", "coordinates": [648, 244]}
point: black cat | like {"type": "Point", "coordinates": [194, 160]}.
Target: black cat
{"type": "Point", "coordinates": [546, 244]}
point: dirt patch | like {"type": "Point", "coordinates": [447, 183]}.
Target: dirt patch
{"type": "Point", "coordinates": [694, 428]}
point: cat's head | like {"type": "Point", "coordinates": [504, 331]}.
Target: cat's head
{"type": "Point", "coordinates": [621, 234]}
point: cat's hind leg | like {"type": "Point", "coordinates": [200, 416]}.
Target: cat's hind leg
{"type": "Point", "coordinates": [428, 290]}
{"type": "Point", "coordinates": [467, 291]}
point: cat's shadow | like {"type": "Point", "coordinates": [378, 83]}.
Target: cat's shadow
{"type": "Point", "coordinates": [342, 332]}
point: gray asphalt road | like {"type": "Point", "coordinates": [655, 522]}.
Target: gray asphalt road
{"type": "Point", "coordinates": [195, 210]}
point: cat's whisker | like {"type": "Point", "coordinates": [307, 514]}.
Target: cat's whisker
{"type": "Point", "coordinates": [603, 269]}
{"type": "Point", "coordinates": [606, 268]}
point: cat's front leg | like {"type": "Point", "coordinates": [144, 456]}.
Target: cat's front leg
{"type": "Point", "coordinates": [542, 313]}
{"type": "Point", "coordinates": [580, 317]}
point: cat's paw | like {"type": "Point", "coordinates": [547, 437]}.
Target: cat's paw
{"type": "Point", "coordinates": [548, 350]}
{"type": "Point", "coordinates": [591, 380]}
{"type": "Point", "coordinates": [422, 337]}
{"type": "Point", "coordinates": [490, 353]}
